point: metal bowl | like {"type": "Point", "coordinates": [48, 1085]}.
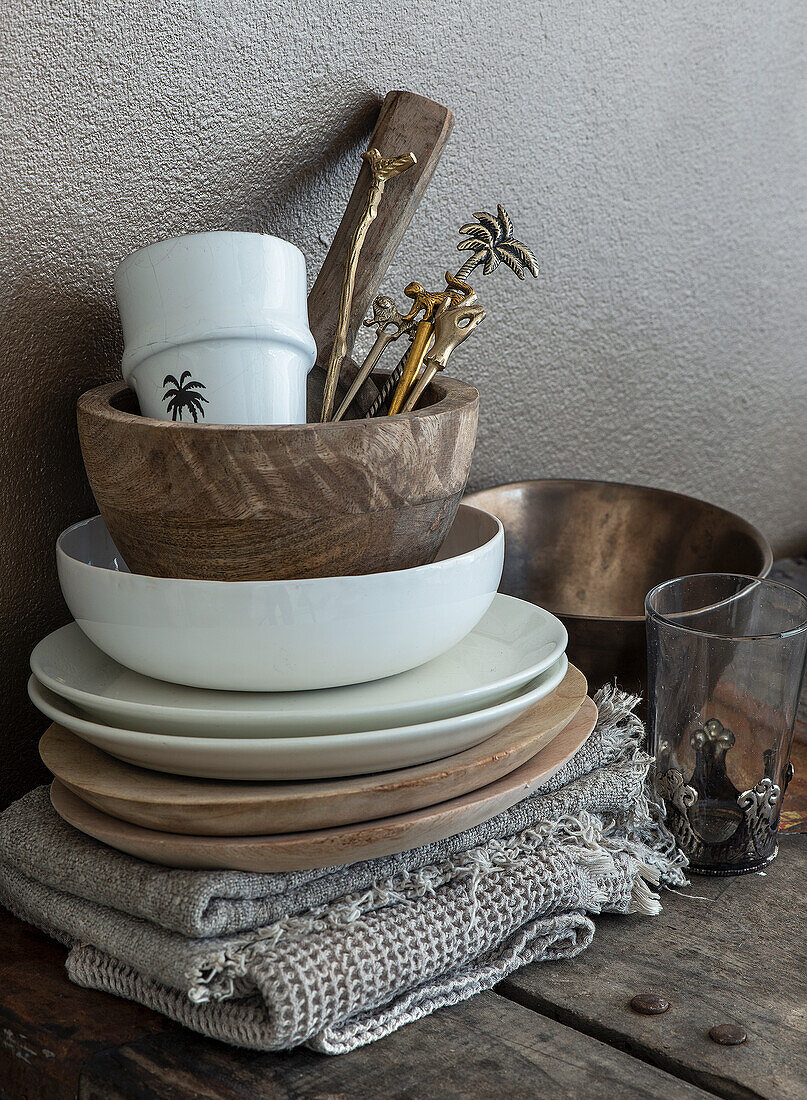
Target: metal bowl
{"type": "Point", "coordinates": [589, 551]}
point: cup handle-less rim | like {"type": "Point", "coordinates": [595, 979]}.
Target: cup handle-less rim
{"type": "Point", "coordinates": [753, 584]}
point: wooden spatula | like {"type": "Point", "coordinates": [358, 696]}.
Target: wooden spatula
{"type": "Point", "coordinates": [407, 121]}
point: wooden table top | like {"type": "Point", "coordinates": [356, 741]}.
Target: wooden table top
{"type": "Point", "coordinates": [724, 951]}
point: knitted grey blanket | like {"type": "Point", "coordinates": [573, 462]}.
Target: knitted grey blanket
{"type": "Point", "coordinates": [336, 958]}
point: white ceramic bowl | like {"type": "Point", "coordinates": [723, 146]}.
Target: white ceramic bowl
{"type": "Point", "coordinates": [284, 635]}
{"type": "Point", "coordinates": [513, 642]}
{"type": "Point", "coordinates": [215, 327]}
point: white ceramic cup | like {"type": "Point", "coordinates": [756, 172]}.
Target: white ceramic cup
{"type": "Point", "coordinates": [215, 329]}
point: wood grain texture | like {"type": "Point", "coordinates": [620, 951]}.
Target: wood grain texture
{"type": "Point", "coordinates": [731, 952]}
{"type": "Point", "coordinates": [330, 847]}
{"type": "Point", "coordinates": [590, 551]}
{"type": "Point", "coordinates": [175, 804]}
{"type": "Point", "coordinates": [49, 1027]}
{"type": "Point", "coordinates": [224, 502]}
{"type": "Point", "coordinates": [725, 950]}
{"type": "Point", "coordinates": [406, 123]}
{"type": "Point", "coordinates": [483, 1049]}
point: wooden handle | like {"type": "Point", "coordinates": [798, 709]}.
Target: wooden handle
{"type": "Point", "coordinates": [406, 122]}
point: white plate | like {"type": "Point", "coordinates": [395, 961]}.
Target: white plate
{"type": "Point", "coordinates": [292, 635]}
{"type": "Point", "coordinates": [335, 754]}
{"type": "Point", "coordinates": [514, 643]}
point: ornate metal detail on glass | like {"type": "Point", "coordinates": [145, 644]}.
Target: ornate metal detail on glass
{"type": "Point", "coordinates": [712, 820]}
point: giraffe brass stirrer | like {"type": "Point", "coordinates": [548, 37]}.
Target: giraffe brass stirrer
{"type": "Point", "coordinates": [490, 239]}
{"type": "Point", "coordinates": [452, 325]}
{"type": "Point", "coordinates": [381, 170]}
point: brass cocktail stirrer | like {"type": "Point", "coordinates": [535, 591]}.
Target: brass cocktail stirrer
{"type": "Point", "coordinates": [381, 170]}
{"type": "Point", "coordinates": [423, 301]}
{"type": "Point", "coordinates": [420, 338]}
{"type": "Point", "coordinates": [386, 389]}
{"type": "Point", "coordinates": [452, 325]}
{"type": "Point", "coordinates": [414, 361]}
{"type": "Point", "coordinates": [490, 239]}
{"type": "Point", "coordinates": [454, 293]}
{"type": "Point", "coordinates": [385, 314]}
{"type": "Point", "coordinates": [428, 303]}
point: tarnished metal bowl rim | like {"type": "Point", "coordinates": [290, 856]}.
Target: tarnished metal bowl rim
{"type": "Point", "coordinates": [753, 532]}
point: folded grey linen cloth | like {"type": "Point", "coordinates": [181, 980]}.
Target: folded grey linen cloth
{"type": "Point", "coordinates": [339, 957]}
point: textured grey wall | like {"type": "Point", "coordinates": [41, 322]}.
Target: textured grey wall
{"type": "Point", "coordinates": [652, 154]}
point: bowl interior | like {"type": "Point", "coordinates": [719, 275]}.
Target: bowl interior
{"type": "Point", "coordinates": [471, 529]}
{"type": "Point", "coordinates": [90, 543]}
{"type": "Point", "coordinates": [595, 549]}
{"type": "Point", "coordinates": [125, 400]}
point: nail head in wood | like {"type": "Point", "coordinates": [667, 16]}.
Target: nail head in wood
{"type": "Point", "coordinates": [728, 1035]}
{"type": "Point", "coordinates": [649, 1004]}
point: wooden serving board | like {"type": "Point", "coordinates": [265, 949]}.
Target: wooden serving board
{"type": "Point", "coordinates": [209, 807]}
{"type": "Point", "coordinates": [330, 847]}
{"type": "Point", "coordinates": [406, 123]}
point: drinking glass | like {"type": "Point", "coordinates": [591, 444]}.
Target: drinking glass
{"type": "Point", "coordinates": [726, 656]}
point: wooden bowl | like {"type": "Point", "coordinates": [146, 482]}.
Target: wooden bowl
{"type": "Point", "coordinates": [233, 502]}
{"type": "Point", "coordinates": [590, 551]}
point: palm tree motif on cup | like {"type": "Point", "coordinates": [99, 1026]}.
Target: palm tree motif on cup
{"type": "Point", "coordinates": [183, 395]}
{"type": "Point", "coordinates": [490, 239]}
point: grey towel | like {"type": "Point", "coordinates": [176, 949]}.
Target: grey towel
{"type": "Point", "coordinates": [339, 957]}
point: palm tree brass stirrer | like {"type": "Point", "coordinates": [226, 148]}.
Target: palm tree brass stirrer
{"type": "Point", "coordinates": [490, 240]}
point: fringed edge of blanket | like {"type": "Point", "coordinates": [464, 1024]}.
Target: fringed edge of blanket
{"type": "Point", "coordinates": [227, 974]}
{"type": "Point", "coordinates": [596, 841]}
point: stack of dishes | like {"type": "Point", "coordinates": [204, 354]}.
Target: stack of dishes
{"type": "Point", "coordinates": [283, 724]}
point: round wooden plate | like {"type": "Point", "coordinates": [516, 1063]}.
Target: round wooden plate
{"type": "Point", "coordinates": [330, 847]}
{"type": "Point", "coordinates": [210, 807]}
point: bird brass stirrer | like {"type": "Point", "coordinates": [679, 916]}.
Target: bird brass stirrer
{"type": "Point", "coordinates": [381, 170]}
{"type": "Point", "coordinates": [490, 239]}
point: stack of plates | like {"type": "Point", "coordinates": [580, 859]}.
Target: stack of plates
{"type": "Point", "coordinates": [277, 780]}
